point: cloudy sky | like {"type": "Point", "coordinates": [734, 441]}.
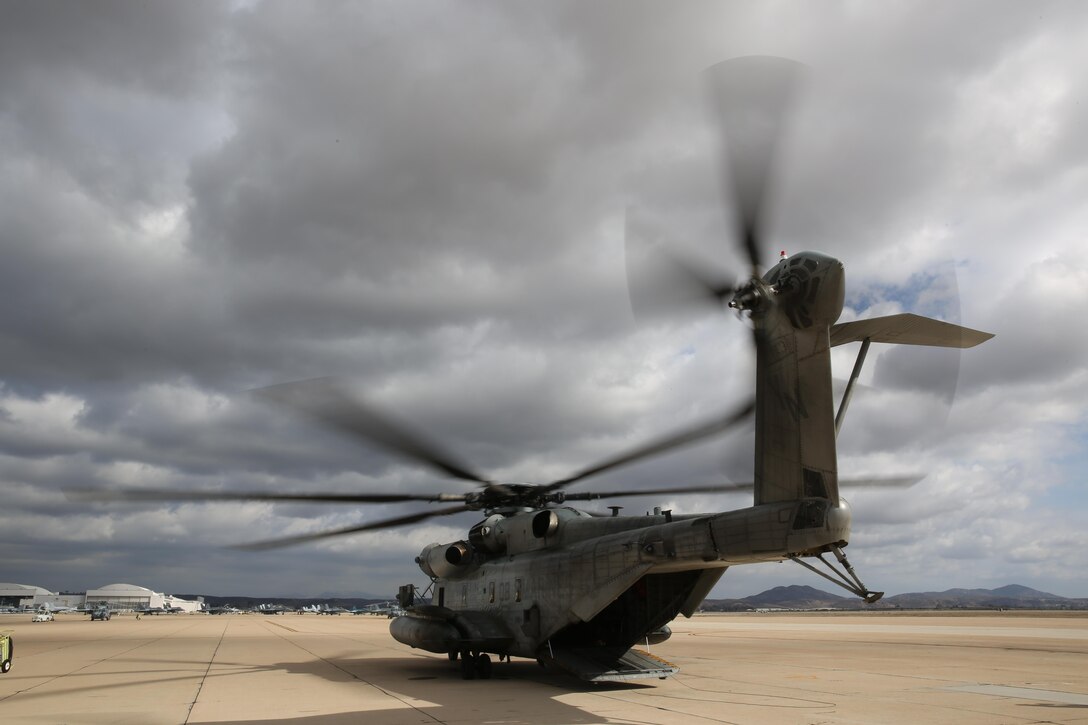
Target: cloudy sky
{"type": "Point", "coordinates": [429, 199]}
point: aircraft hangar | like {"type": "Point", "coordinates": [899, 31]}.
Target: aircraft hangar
{"type": "Point", "coordinates": [14, 595]}
{"type": "Point", "coordinates": [125, 596]}
{"type": "Point", "coordinates": [116, 596]}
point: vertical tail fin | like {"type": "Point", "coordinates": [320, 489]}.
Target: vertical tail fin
{"type": "Point", "coordinates": [795, 409]}
{"type": "Point", "coordinates": [795, 454]}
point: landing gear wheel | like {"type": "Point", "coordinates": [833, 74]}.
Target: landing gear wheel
{"type": "Point", "coordinates": [5, 666]}
{"type": "Point", "coordinates": [483, 667]}
{"type": "Point", "coordinates": [468, 666]}
{"type": "Point", "coordinates": [452, 655]}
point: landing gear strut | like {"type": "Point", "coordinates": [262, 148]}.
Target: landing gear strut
{"type": "Point", "coordinates": [473, 665]}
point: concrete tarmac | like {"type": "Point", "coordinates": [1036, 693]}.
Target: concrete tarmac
{"type": "Point", "coordinates": [736, 668]}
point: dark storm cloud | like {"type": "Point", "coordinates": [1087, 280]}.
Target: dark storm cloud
{"type": "Point", "coordinates": [429, 199]}
{"type": "Point", "coordinates": [92, 142]}
{"type": "Point", "coordinates": [97, 88]}
{"type": "Point", "coordinates": [157, 47]}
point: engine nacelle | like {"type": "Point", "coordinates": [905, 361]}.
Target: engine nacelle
{"type": "Point", "coordinates": [439, 561]}
{"type": "Point", "coordinates": [489, 535]}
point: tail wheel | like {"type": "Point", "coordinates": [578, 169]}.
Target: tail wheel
{"type": "Point", "coordinates": [5, 666]}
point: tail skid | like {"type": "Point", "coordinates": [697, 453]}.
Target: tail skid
{"type": "Point", "coordinates": [846, 578]}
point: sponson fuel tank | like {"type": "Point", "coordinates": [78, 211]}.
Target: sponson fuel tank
{"type": "Point", "coordinates": [433, 635]}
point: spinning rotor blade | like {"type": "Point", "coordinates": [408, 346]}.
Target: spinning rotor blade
{"type": "Point", "coordinates": [661, 280]}
{"type": "Point", "coordinates": [333, 406]}
{"type": "Point", "coordinates": [882, 482]}
{"type": "Point", "coordinates": [715, 488]}
{"type": "Point", "coordinates": [154, 494]}
{"type": "Point", "coordinates": [675, 440]}
{"type": "Point", "coordinates": [384, 524]}
{"type": "Point", "coordinates": [889, 482]}
{"type": "Point", "coordinates": [752, 97]}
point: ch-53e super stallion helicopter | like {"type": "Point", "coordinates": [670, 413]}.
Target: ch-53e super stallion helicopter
{"type": "Point", "coordinates": [539, 579]}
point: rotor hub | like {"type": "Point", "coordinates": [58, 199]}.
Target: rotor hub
{"type": "Point", "coordinates": [751, 296]}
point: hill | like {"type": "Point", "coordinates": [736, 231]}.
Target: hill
{"type": "Point", "coordinates": [1011, 596]}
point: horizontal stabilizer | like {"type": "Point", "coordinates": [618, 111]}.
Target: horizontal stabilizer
{"type": "Point", "coordinates": [907, 329]}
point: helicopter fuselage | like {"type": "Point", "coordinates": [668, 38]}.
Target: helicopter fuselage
{"type": "Point", "coordinates": [535, 582]}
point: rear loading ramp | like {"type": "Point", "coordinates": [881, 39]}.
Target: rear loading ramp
{"type": "Point", "coordinates": [603, 664]}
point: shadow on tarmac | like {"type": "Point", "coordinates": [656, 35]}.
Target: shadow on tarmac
{"type": "Point", "coordinates": [432, 690]}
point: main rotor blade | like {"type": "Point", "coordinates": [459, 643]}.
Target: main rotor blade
{"type": "Point", "coordinates": [886, 482]}
{"type": "Point", "coordinates": [155, 494]}
{"type": "Point", "coordinates": [384, 524]}
{"type": "Point", "coordinates": [676, 440]}
{"type": "Point", "coordinates": [677, 491]}
{"type": "Point", "coordinates": [905, 481]}
{"type": "Point", "coordinates": [333, 406]}
{"type": "Point", "coordinates": [752, 97]}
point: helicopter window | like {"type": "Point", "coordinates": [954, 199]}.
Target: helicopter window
{"type": "Point", "coordinates": [814, 484]}
{"type": "Point", "coordinates": [810, 515]}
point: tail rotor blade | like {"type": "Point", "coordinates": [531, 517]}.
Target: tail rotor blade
{"type": "Point", "coordinates": [752, 97]}
{"type": "Point", "coordinates": [661, 280]}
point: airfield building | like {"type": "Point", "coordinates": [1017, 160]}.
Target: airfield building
{"type": "Point", "coordinates": [21, 595]}
{"type": "Point", "coordinates": [115, 596]}
{"type": "Point", "coordinates": [124, 596]}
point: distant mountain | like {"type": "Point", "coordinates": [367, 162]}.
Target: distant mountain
{"type": "Point", "coordinates": [796, 597]}
{"type": "Point", "coordinates": [787, 597]}
{"type": "Point", "coordinates": [1012, 596]}
{"type": "Point", "coordinates": [344, 595]}
{"type": "Point", "coordinates": [1015, 590]}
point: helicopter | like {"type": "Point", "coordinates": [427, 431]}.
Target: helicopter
{"type": "Point", "coordinates": [538, 578]}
